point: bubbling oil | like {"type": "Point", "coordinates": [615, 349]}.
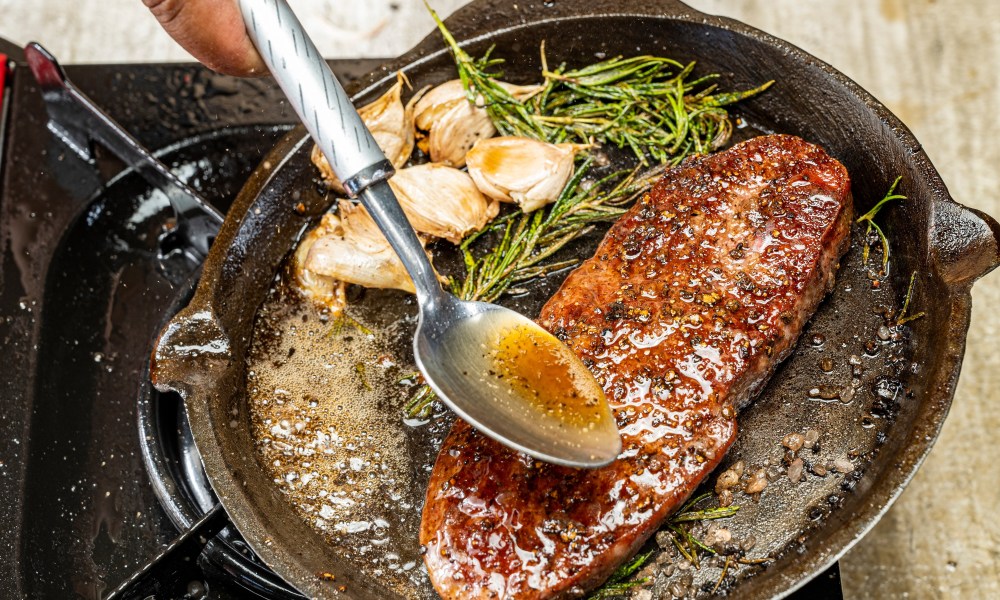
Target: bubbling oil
{"type": "Point", "coordinates": [326, 398]}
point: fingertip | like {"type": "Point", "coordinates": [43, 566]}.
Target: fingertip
{"type": "Point", "coordinates": [242, 61]}
{"type": "Point", "coordinates": [212, 32]}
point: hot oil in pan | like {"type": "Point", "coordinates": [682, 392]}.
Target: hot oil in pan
{"type": "Point", "coordinates": [326, 406]}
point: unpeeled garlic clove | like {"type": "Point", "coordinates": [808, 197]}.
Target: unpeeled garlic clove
{"type": "Point", "coordinates": [522, 170]}
{"type": "Point", "coordinates": [391, 124]}
{"type": "Point", "coordinates": [455, 124]}
{"type": "Point", "coordinates": [325, 170]}
{"type": "Point", "coordinates": [442, 201]}
{"type": "Point", "coordinates": [460, 127]}
{"type": "Point", "coordinates": [323, 290]}
{"type": "Point", "coordinates": [437, 101]}
{"type": "Point", "coordinates": [351, 248]}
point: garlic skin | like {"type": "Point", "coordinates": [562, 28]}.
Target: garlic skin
{"type": "Point", "coordinates": [455, 124]}
{"type": "Point", "coordinates": [391, 124]}
{"type": "Point", "coordinates": [436, 102]}
{"type": "Point", "coordinates": [350, 248]}
{"type": "Point", "coordinates": [442, 201]}
{"type": "Point", "coordinates": [522, 170]}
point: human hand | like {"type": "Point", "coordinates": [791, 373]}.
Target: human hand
{"type": "Point", "coordinates": [212, 31]}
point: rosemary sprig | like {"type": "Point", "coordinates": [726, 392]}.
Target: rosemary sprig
{"type": "Point", "coordinates": [903, 318]}
{"type": "Point", "coordinates": [869, 218]}
{"type": "Point", "coordinates": [527, 241]}
{"type": "Point", "coordinates": [686, 544]}
{"type": "Point", "coordinates": [648, 104]}
{"type": "Point", "coordinates": [616, 585]}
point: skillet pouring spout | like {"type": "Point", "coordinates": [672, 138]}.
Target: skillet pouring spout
{"type": "Point", "coordinates": [191, 353]}
{"type": "Point", "coordinates": [966, 242]}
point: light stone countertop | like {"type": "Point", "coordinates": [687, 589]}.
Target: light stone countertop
{"type": "Point", "coordinates": [935, 63]}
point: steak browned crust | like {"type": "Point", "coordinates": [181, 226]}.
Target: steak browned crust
{"type": "Point", "coordinates": [692, 299]}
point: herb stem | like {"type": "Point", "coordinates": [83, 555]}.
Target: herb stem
{"type": "Point", "coordinates": [902, 319]}
{"type": "Point", "coordinates": [722, 576]}
{"type": "Point", "coordinates": [872, 226]}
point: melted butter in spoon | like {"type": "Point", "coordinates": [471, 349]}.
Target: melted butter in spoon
{"type": "Point", "coordinates": [521, 386]}
{"type": "Point", "coordinates": [544, 373]}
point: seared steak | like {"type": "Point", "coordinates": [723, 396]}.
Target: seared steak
{"type": "Point", "coordinates": [692, 299]}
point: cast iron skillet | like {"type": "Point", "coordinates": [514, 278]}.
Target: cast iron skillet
{"type": "Point", "coordinates": [202, 351]}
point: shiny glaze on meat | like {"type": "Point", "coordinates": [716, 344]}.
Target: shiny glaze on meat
{"type": "Point", "coordinates": [691, 300]}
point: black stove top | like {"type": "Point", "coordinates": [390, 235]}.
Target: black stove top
{"type": "Point", "coordinates": [83, 292]}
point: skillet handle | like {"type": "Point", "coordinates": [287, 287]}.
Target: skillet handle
{"type": "Point", "coordinates": [965, 242]}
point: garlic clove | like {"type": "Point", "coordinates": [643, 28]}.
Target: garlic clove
{"type": "Point", "coordinates": [458, 130]}
{"type": "Point", "coordinates": [355, 252]}
{"type": "Point", "coordinates": [456, 124]}
{"type": "Point", "coordinates": [326, 171]}
{"type": "Point", "coordinates": [436, 102]}
{"type": "Point", "coordinates": [528, 172]}
{"type": "Point", "coordinates": [323, 290]}
{"type": "Point", "coordinates": [391, 124]}
{"type": "Point", "coordinates": [442, 201]}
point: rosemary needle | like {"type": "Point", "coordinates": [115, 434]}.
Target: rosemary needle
{"type": "Point", "coordinates": [903, 318]}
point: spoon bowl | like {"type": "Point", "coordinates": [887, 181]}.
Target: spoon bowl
{"type": "Point", "coordinates": [515, 382]}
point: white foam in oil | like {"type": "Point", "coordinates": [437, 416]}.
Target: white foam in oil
{"type": "Point", "coordinates": [326, 406]}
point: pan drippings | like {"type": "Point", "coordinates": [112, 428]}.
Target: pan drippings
{"type": "Point", "coordinates": [326, 401]}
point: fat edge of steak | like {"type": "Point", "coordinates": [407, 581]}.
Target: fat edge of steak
{"type": "Point", "coordinates": [691, 300]}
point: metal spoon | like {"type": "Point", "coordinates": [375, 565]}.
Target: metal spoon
{"type": "Point", "coordinates": [498, 370]}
